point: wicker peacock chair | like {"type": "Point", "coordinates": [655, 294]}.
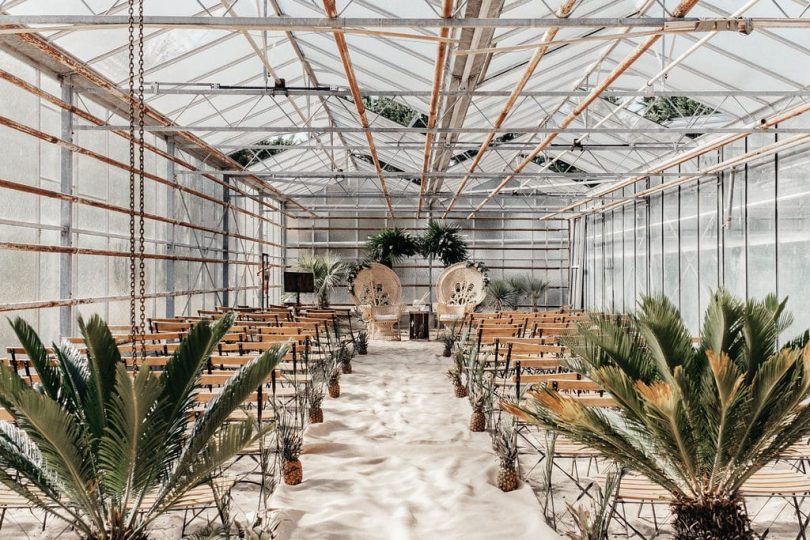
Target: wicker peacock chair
{"type": "Point", "coordinates": [459, 290]}
{"type": "Point", "coordinates": [377, 293]}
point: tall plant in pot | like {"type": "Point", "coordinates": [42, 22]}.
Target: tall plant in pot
{"type": "Point", "coordinates": [390, 246]}
{"type": "Point", "coordinates": [443, 242]}
{"type": "Point", "coordinates": [329, 271]}
{"type": "Point", "coordinates": [696, 420]}
{"type": "Point", "coordinates": [535, 289]}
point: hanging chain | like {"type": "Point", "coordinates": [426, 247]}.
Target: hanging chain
{"type": "Point", "coordinates": [141, 265]}
{"type": "Point", "coordinates": [133, 327]}
{"type": "Point", "coordinates": [137, 305]}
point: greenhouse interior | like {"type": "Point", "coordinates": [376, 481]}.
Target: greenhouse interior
{"type": "Point", "coordinates": [360, 269]}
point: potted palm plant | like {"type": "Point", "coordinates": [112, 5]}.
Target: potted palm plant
{"type": "Point", "coordinates": [500, 295]}
{"type": "Point", "coordinates": [444, 242]}
{"type": "Point", "coordinates": [535, 289]}
{"type": "Point", "coordinates": [696, 420]}
{"type": "Point", "coordinates": [328, 271]}
{"type": "Point", "coordinates": [390, 246]}
{"type": "Point", "coordinates": [93, 442]}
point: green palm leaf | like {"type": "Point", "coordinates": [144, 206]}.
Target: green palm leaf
{"type": "Point", "coordinates": [48, 374]}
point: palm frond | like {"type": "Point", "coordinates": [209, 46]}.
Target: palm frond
{"type": "Point", "coordinates": [48, 374]}
{"type": "Point", "coordinates": [102, 358]}
{"type": "Point", "coordinates": [390, 246]}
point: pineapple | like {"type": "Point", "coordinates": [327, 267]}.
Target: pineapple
{"type": "Point", "coordinates": [334, 385]}
{"type": "Point", "coordinates": [478, 420]}
{"type": "Point", "coordinates": [290, 441]}
{"type": "Point", "coordinates": [343, 358]}
{"type": "Point", "coordinates": [455, 377]}
{"type": "Point", "coordinates": [315, 410]}
{"type": "Point", "coordinates": [293, 472]}
{"type": "Point", "coordinates": [314, 394]}
{"type": "Point", "coordinates": [449, 340]}
{"type": "Point", "coordinates": [506, 446]}
{"type": "Point", "coordinates": [507, 476]}
{"type": "Point", "coordinates": [361, 342]}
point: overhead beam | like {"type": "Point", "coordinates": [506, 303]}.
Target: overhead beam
{"type": "Point", "coordinates": [680, 11]}
{"type": "Point", "coordinates": [405, 129]}
{"type": "Point", "coordinates": [42, 54]}
{"type": "Point", "coordinates": [439, 68]}
{"type": "Point", "coordinates": [566, 7]}
{"type": "Point", "coordinates": [340, 24]}
{"type": "Point", "coordinates": [416, 173]}
{"type": "Point", "coordinates": [313, 78]}
{"type": "Point", "coordinates": [468, 71]}
{"type": "Point", "coordinates": [709, 146]}
{"type": "Point", "coordinates": [161, 88]}
{"type": "Point", "coordinates": [343, 49]}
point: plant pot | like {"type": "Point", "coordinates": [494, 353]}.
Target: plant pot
{"type": "Point", "coordinates": [447, 353]}
{"type": "Point", "coordinates": [292, 471]}
{"type": "Point", "coordinates": [461, 391]}
{"type": "Point", "coordinates": [346, 368]}
{"type": "Point", "coordinates": [362, 352]}
{"type": "Point", "coordinates": [316, 416]}
{"type": "Point", "coordinates": [334, 390]}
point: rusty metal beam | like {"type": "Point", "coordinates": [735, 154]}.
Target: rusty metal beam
{"type": "Point", "coordinates": [343, 49]}
{"type": "Point", "coordinates": [84, 115]}
{"type": "Point", "coordinates": [563, 12]}
{"type": "Point", "coordinates": [38, 49]}
{"type": "Point", "coordinates": [438, 72]}
{"type": "Point", "coordinates": [41, 135]}
{"type": "Point", "coordinates": [680, 11]}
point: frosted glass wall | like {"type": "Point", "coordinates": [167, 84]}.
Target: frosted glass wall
{"type": "Point", "coordinates": [100, 284]}
{"type": "Point", "coordinates": [747, 230]}
{"type": "Point", "coordinates": [510, 244]}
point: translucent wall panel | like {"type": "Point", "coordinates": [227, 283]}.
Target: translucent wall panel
{"type": "Point", "coordinates": [509, 244]}
{"type": "Point", "coordinates": [794, 235]}
{"type": "Point", "coordinates": [30, 280]}
{"type": "Point", "coordinates": [745, 229]}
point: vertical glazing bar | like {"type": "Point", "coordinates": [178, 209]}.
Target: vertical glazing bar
{"type": "Point", "coordinates": [170, 228]}
{"type": "Point", "coordinates": [226, 241]}
{"type": "Point", "coordinates": [66, 214]}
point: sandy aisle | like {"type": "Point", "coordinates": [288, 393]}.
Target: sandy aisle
{"type": "Point", "coordinates": [394, 459]}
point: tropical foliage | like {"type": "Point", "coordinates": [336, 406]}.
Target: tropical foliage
{"type": "Point", "coordinates": [109, 450]}
{"type": "Point", "coordinates": [698, 420]}
{"type": "Point", "coordinates": [328, 270]}
{"type": "Point", "coordinates": [535, 289]}
{"type": "Point", "coordinates": [663, 109]}
{"type": "Point", "coordinates": [390, 246]}
{"type": "Point", "coordinates": [501, 295]}
{"type": "Point", "coordinates": [444, 242]}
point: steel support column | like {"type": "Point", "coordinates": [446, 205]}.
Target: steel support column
{"type": "Point", "coordinates": [66, 215]}
{"type": "Point", "coordinates": [171, 174]}
{"type": "Point", "coordinates": [226, 240]}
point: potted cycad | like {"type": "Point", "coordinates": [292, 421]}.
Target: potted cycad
{"type": "Point", "coordinates": [696, 420]}
{"type": "Point", "coordinates": [93, 440]}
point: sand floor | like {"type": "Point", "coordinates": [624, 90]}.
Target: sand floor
{"type": "Point", "coordinates": [395, 459]}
